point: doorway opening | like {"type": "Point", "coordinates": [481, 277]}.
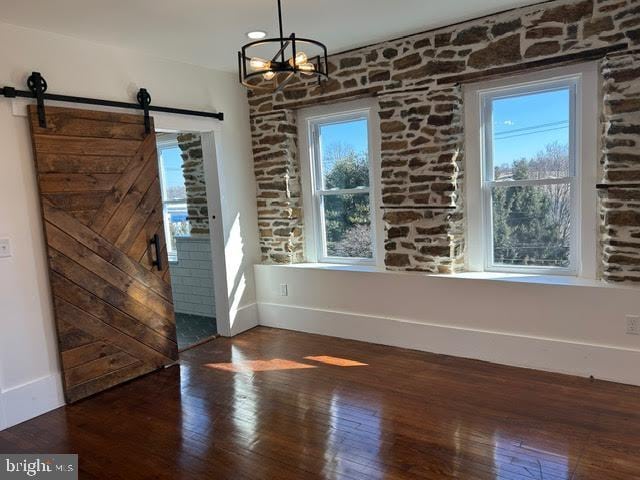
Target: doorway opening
{"type": "Point", "coordinates": [186, 221]}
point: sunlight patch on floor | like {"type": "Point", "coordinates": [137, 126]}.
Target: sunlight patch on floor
{"type": "Point", "coordinates": [260, 365]}
{"type": "Point", "coordinates": [338, 362]}
{"type": "Point", "coordinates": [244, 366]}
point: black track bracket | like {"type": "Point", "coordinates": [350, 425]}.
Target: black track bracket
{"type": "Point", "coordinates": [38, 85]}
{"type": "Point", "coordinates": [144, 99]}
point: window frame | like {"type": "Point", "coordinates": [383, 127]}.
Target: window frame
{"type": "Point", "coordinates": [488, 182]}
{"type": "Point", "coordinates": [313, 193]}
{"type": "Point", "coordinates": [583, 143]}
{"type": "Point", "coordinates": [162, 145]}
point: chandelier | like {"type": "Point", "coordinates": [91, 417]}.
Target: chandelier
{"type": "Point", "coordinates": [273, 73]}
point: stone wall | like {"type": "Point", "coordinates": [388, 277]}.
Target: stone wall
{"type": "Point", "coordinates": [277, 171]}
{"type": "Point", "coordinates": [422, 166]}
{"type": "Point", "coordinates": [194, 182]}
{"type": "Point", "coordinates": [620, 206]}
{"type": "Point", "coordinates": [417, 82]}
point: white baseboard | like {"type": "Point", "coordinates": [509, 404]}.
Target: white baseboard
{"type": "Point", "coordinates": [561, 356]}
{"type": "Point", "coordinates": [31, 399]}
{"type": "Point", "coordinates": [3, 420]}
{"type": "Point", "coordinates": [245, 318]}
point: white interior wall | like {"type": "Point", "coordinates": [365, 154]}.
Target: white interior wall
{"type": "Point", "coordinates": [572, 326]}
{"type": "Point", "coordinates": [29, 371]}
{"type": "Point", "coordinates": [192, 277]}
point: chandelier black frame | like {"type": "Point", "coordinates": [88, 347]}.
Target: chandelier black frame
{"type": "Point", "coordinates": [281, 69]}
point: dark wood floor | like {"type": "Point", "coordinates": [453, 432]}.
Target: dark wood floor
{"type": "Point", "coordinates": [272, 404]}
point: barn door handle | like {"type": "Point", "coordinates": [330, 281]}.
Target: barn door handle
{"type": "Point", "coordinates": [155, 242]}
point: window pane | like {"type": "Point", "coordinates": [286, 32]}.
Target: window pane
{"type": "Point", "coordinates": [178, 226]}
{"type": "Point", "coordinates": [172, 176]}
{"type": "Point", "coordinates": [344, 154]}
{"type": "Point", "coordinates": [532, 225]}
{"type": "Point", "coordinates": [347, 225]}
{"type": "Point", "coordinates": [530, 135]}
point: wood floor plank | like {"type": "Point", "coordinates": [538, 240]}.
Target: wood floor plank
{"type": "Point", "coordinates": [394, 414]}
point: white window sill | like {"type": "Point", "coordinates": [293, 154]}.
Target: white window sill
{"type": "Point", "coordinates": [336, 266]}
{"type": "Point", "coordinates": [530, 278]}
{"type": "Point", "coordinates": [490, 276]}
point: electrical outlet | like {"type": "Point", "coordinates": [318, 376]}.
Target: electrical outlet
{"type": "Point", "coordinates": [284, 290]}
{"type": "Point", "coordinates": [633, 324]}
{"type": "Point", "coordinates": [5, 248]}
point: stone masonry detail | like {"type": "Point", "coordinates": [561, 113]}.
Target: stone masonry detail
{"type": "Point", "coordinates": [194, 182]}
{"type": "Point", "coordinates": [276, 167]}
{"type": "Point", "coordinates": [416, 80]}
{"type": "Point", "coordinates": [422, 165]}
{"type": "Point", "coordinates": [620, 206]}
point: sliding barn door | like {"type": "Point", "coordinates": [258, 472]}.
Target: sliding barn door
{"type": "Point", "coordinates": [102, 209]}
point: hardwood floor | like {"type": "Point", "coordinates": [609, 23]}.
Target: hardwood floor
{"type": "Point", "coordinates": [273, 404]}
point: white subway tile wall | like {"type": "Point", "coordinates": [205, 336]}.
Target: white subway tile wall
{"type": "Point", "coordinates": [192, 277]}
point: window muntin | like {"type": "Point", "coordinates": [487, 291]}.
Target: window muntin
{"type": "Point", "coordinates": [529, 177]}
{"type": "Point", "coordinates": [341, 191]}
{"type": "Point", "coordinates": [174, 197]}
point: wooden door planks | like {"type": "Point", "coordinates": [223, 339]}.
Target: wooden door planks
{"type": "Point", "coordinates": [101, 203]}
{"type": "Point", "coordinates": [120, 190]}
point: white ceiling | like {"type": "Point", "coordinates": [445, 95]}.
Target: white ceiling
{"type": "Point", "coordinates": [209, 32]}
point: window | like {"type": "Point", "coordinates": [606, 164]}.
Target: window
{"type": "Point", "coordinates": [528, 187]}
{"type": "Point", "coordinates": [529, 175]}
{"type": "Point", "coordinates": [174, 197]}
{"type": "Point", "coordinates": [338, 152]}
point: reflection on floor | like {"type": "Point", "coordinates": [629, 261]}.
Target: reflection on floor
{"type": "Point", "coordinates": [275, 404]}
{"type": "Point", "coordinates": [193, 329]}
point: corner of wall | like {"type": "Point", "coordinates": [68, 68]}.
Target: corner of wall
{"type": "Point", "coordinates": [30, 400]}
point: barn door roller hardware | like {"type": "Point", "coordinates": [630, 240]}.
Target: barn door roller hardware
{"type": "Point", "coordinates": [38, 87]}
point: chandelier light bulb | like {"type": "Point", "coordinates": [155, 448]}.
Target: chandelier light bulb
{"type": "Point", "coordinates": [259, 64]}
{"type": "Point", "coordinates": [268, 75]}
{"type": "Point", "coordinates": [301, 59]}
{"type": "Point", "coordinates": [307, 68]}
